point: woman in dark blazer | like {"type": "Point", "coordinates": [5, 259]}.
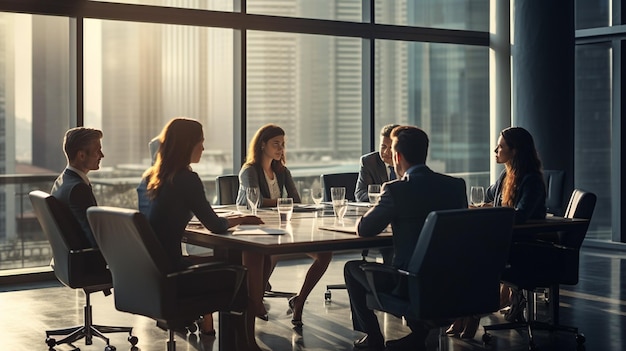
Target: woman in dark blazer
{"type": "Point", "coordinates": [175, 193]}
{"type": "Point", "coordinates": [520, 186]}
{"type": "Point", "coordinates": [265, 169]}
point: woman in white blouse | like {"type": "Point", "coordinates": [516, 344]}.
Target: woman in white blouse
{"type": "Point", "coordinates": [265, 169]}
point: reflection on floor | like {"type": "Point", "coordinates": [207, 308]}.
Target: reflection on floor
{"type": "Point", "coordinates": [596, 305]}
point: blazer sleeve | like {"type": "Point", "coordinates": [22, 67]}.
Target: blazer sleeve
{"type": "Point", "coordinates": [193, 192]}
{"type": "Point", "coordinates": [378, 217]}
{"type": "Point", "coordinates": [248, 178]}
{"type": "Point", "coordinates": [290, 186]}
{"type": "Point", "coordinates": [80, 199]}
{"type": "Point", "coordinates": [365, 179]}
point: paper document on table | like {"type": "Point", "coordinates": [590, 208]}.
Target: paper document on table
{"type": "Point", "coordinates": [257, 230]}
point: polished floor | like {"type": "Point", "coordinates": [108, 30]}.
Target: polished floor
{"type": "Point", "coordinates": [597, 306]}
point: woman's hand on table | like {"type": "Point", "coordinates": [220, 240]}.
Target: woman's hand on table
{"type": "Point", "coordinates": [234, 220]}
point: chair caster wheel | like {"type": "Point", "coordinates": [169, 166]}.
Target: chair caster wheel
{"type": "Point", "coordinates": [51, 342]}
{"type": "Point", "coordinates": [133, 340]}
{"type": "Point", "coordinates": [109, 348]}
{"type": "Point", "coordinates": [327, 296]}
{"type": "Point", "coordinates": [487, 338]}
{"type": "Point", "coordinates": [580, 338]}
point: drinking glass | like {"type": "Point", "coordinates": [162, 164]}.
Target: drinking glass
{"type": "Point", "coordinates": [337, 193]}
{"type": "Point", "coordinates": [373, 192]}
{"type": "Point", "coordinates": [285, 209]}
{"type": "Point", "coordinates": [477, 196]}
{"type": "Point", "coordinates": [340, 207]}
{"type": "Point", "coordinates": [254, 196]}
{"type": "Point", "coordinates": [317, 194]}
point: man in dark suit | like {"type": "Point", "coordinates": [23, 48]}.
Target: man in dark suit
{"type": "Point", "coordinates": [404, 203]}
{"type": "Point", "coordinates": [377, 166]}
{"type": "Point", "coordinates": [83, 150]}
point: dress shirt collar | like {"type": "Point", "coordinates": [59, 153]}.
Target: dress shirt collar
{"type": "Point", "coordinates": [80, 173]}
{"type": "Point", "coordinates": [411, 170]}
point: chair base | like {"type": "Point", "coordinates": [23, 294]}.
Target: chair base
{"type": "Point", "coordinates": [530, 326]}
{"type": "Point", "coordinates": [74, 334]}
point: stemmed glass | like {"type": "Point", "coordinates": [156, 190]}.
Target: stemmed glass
{"type": "Point", "coordinates": [253, 195]}
{"type": "Point", "coordinates": [477, 196]}
{"type": "Point", "coordinates": [317, 194]}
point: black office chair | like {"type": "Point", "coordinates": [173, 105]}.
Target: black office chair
{"type": "Point", "coordinates": [227, 187]}
{"type": "Point", "coordinates": [454, 271]}
{"type": "Point", "coordinates": [76, 265]}
{"type": "Point", "coordinates": [347, 180]}
{"type": "Point", "coordinates": [555, 184]}
{"type": "Point", "coordinates": [547, 262]}
{"type": "Point", "coordinates": [154, 287]}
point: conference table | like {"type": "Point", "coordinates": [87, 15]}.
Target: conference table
{"type": "Point", "coordinates": [318, 231]}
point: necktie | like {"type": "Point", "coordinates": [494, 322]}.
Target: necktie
{"type": "Point", "coordinates": [392, 173]}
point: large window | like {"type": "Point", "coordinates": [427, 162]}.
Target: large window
{"type": "Point", "coordinates": [443, 89]}
{"type": "Point", "coordinates": [592, 149]}
{"type": "Point", "coordinates": [304, 65]}
{"type": "Point", "coordinates": [35, 111]}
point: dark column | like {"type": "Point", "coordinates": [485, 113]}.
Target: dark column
{"type": "Point", "coordinates": [543, 80]}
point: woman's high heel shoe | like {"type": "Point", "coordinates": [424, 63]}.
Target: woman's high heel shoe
{"type": "Point", "coordinates": [456, 328]}
{"type": "Point", "coordinates": [292, 306]}
{"type": "Point", "coordinates": [470, 327]}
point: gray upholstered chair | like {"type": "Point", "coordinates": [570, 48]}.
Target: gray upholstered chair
{"type": "Point", "coordinates": [147, 283]}
{"type": "Point", "coordinates": [454, 271]}
{"type": "Point", "coordinates": [547, 261]}
{"type": "Point", "coordinates": [76, 265]}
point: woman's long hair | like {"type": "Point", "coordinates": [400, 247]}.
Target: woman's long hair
{"type": "Point", "coordinates": [178, 139]}
{"type": "Point", "coordinates": [255, 149]}
{"type": "Point", "coordinates": [525, 161]}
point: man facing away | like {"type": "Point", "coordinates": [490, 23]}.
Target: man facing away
{"type": "Point", "coordinates": [404, 203]}
{"type": "Point", "coordinates": [377, 166]}
{"type": "Point", "coordinates": [83, 150]}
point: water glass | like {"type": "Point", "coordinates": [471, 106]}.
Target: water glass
{"type": "Point", "coordinates": [317, 193]}
{"type": "Point", "coordinates": [337, 193]}
{"type": "Point", "coordinates": [340, 207]}
{"type": "Point", "coordinates": [285, 209]}
{"type": "Point", "coordinates": [373, 193]}
{"type": "Point", "coordinates": [477, 196]}
{"type": "Point", "coordinates": [254, 196]}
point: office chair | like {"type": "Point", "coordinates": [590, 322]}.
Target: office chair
{"type": "Point", "coordinates": [154, 287]}
{"type": "Point", "coordinates": [77, 266]}
{"type": "Point", "coordinates": [547, 262]}
{"type": "Point", "coordinates": [555, 184]}
{"type": "Point", "coordinates": [226, 188]}
{"type": "Point", "coordinates": [454, 271]}
{"type": "Point", "coordinates": [347, 180]}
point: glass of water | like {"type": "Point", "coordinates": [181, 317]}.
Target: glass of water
{"type": "Point", "coordinates": [340, 207]}
{"type": "Point", "coordinates": [285, 209]}
{"type": "Point", "coordinates": [373, 192]}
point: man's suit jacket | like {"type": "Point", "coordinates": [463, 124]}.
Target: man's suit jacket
{"type": "Point", "coordinates": [71, 189]}
{"type": "Point", "coordinates": [373, 171]}
{"type": "Point", "coordinates": [406, 202]}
